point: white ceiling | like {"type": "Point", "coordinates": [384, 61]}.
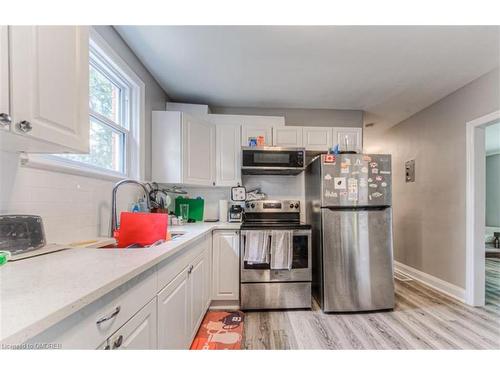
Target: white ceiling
{"type": "Point", "coordinates": [391, 72]}
{"type": "Point", "coordinates": [493, 139]}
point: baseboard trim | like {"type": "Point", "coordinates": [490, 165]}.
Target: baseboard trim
{"type": "Point", "coordinates": [440, 285]}
{"type": "Point", "coordinates": [230, 305]}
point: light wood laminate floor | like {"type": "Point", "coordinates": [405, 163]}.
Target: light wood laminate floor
{"type": "Point", "coordinates": [422, 319]}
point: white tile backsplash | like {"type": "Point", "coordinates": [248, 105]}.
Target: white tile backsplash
{"type": "Point", "coordinates": [73, 208]}
{"type": "Point", "coordinates": [279, 187]}
{"type": "Point", "coordinates": [276, 187]}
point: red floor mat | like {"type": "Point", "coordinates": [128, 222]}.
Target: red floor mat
{"type": "Point", "coordinates": [220, 330]}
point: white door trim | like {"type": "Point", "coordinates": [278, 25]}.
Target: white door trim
{"type": "Point", "coordinates": [475, 208]}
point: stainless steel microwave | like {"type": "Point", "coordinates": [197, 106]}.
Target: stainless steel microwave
{"type": "Point", "coordinates": [272, 160]}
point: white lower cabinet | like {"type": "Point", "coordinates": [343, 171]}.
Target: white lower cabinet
{"type": "Point", "coordinates": [140, 332]}
{"type": "Point", "coordinates": [225, 265]}
{"type": "Point", "coordinates": [162, 308]}
{"type": "Point", "coordinates": [199, 281]}
{"type": "Point", "coordinates": [183, 302]}
{"type": "Point", "coordinates": [174, 313]}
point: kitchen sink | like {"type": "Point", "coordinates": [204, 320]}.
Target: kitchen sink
{"type": "Point", "coordinates": [174, 235]}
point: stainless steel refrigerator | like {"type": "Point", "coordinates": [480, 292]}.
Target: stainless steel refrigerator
{"type": "Point", "coordinates": [348, 202]}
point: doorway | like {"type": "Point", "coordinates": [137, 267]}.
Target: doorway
{"type": "Point", "coordinates": [476, 235]}
{"type": "Point", "coordinates": [492, 229]}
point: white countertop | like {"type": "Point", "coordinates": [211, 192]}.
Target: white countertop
{"type": "Point", "coordinates": [38, 292]}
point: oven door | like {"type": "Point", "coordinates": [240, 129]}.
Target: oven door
{"type": "Point", "coordinates": [301, 264]}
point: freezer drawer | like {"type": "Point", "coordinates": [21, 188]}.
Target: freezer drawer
{"type": "Point", "coordinates": [357, 259]}
{"type": "Point", "coordinates": [257, 296]}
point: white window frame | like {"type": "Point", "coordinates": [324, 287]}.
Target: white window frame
{"type": "Point", "coordinates": [134, 147]}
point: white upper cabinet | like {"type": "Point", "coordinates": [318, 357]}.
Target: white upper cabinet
{"type": "Point", "coordinates": [198, 142]}
{"type": "Point", "coordinates": [348, 139]}
{"type": "Point", "coordinates": [255, 126]}
{"type": "Point", "coordinates": [255, 131]}
{"type": "Point", "coordinates": [4, 79]}
{"type": "Point", "coordinates": [317, 138]}
{"type": "Point", "coordinates": [287, 136]}
{"type": "Point", "coordinates": [183, 149]}
{"type": "Point", "coordinates": [139, 333]}
{"type": "Point", "coordinates": [49, 84]}
{"type": "Point", "coordinates": [228, 155]}
{"type": "Point", "coordinates": [225, 265]}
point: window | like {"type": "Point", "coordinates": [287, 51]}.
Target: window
{"type": "Point", "coordinates": [116, 97]}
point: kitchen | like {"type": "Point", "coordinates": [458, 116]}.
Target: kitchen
{"type": "Point", "coordinates": [184, 203]}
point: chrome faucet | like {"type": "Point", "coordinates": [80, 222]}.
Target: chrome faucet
{"type": "Point", "coordinates": [114, 218]}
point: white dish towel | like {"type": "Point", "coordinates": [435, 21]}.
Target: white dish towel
{"type": "Point", "coordinates": [281, 249]}
{"type": "Point", "coordinates": [256, 246]}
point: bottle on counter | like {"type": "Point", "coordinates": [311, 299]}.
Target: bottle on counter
{"type": "Point", "coordinates": [496, 240]}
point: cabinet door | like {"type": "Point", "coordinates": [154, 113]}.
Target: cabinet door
{"type": "Point", "coordinates": [349, 139]}
{"type": "Point", "coordinates": [4, 79]}
{"type": "Point", "coordinates": [50, 84]}
{"type": "Point", "coordinates": [317, 138]}
{"type": "Point", "coordinates": [254, 131]}
{"type": "Point", "coordinates": [198, 291]}
{"type": "Point", "coordinates": [174, 314]}
{"type": "Point", "coordinates": [140, 332]}
{"type": "Point", "coordinates": [226, 265]}
{"type": "Point", "coordinates": [228, 155]}
{"type": "Point", "coordinates": [287, 136]}
{"type": "Point", "coordinates": [198, 143]}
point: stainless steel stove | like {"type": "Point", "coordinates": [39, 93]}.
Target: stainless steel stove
{"type": "Point", "coordinates": [262, 286]}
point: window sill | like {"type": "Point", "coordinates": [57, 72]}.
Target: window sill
{"type": "Point", "coordinates": [54, 164]}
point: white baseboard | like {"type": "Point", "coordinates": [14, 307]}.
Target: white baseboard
{"type": "Point", "coordinates": [231, 305]}
{"type": "Point", "coordinates": [432, 281]}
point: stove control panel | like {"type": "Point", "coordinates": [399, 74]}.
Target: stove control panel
{"type": "Point", "coordinates": [273, 206]}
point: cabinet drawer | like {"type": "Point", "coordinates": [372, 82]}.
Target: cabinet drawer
{"type": "Point", "coordinates": [170, 268]}
{"type": "Point", "coordinates": [80, 330]}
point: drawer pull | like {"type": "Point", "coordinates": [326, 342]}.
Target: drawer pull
{"type": "Point", "coordinates": [118, 342]}
{"type": "Point", "coordinates": [110, 316]}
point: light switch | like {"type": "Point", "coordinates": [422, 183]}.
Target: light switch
{"type": "Point", "coordinates": [410, 171]}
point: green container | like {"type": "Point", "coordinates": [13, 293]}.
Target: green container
{"type": "Point", "coordinates": [196, 207]}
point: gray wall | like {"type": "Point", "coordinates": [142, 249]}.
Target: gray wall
{"type": "Point", "coordinates": [429, 214]}
{"type": "Point", "coordinates": [301, 117]}
{"type": "Point", "coordinates": [155, 97]}
{"type": "Point", "coordinates": [493, 190]}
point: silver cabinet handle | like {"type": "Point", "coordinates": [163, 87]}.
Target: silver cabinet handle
{"type": "Point", "coordinates": [118, 342]}
{"type": "Point", "coordinates": [110, 316]}
{"type": "Point", "coordinates": [5, 119]}
{"type": "Point", "coordinates": [24, 126]}
{"type": "Point", "coordinates": [190, 269]}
